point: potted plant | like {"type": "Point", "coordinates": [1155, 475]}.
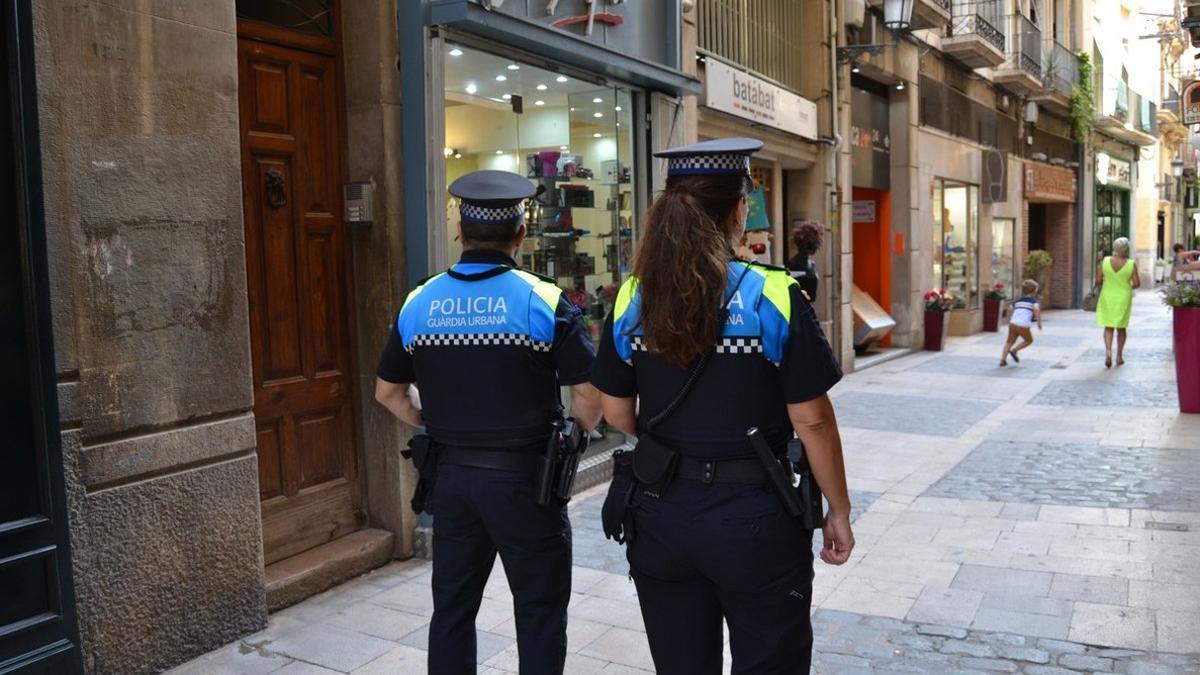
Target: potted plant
{"type": "Point", "coordinates": [1037, 267]}
{"type": "Point", "coordinates": [937, 314]}
{"type": "Point", "coordinates": [1184, 299]}
{"type": "Point", "coordinates": [993, 305]}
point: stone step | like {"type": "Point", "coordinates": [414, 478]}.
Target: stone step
{"type": "Point", "coordinates": [303, 575]}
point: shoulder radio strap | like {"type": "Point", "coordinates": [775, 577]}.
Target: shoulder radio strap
{"type": "Point", "coordinates": [699, 367]}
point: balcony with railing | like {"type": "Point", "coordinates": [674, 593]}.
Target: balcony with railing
{"type": "Point", "coordinates": [1124, 114]}
{"type": "Point", "coordinates": [762, 36]}
{"type": "Point", "coordinates": [1060, 75]}
{"type": "Point", "coordinates": [975, 38]}
{"type": "Point", "coordinates": [1021, 71]}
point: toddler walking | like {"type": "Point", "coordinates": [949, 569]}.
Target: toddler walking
{"type": "Point", "coordinates": [1024, 311]}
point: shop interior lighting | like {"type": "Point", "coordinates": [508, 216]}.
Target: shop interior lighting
{"type": "Point", "coordinates": [456, 52]}
{"type": "Point", "coordinates": [854, 67]}
{"type": "Point", "coordinates": [900, 85]}
{"type": "Point", "coordinates": [513, 66]}
{"type": "Point", "coordinates": [596, 135]}
{"type": "Point", "coordinates": [507, 97]}
{"type": "Point", "coordinates": [542, 87]}
{"type": "Point", "coordinates": [471, 89]}
{"type": "Point", "coordinates": [572, 110]}
{"type": "Point", "coordinates": [597, 100]}
{"type": "Point", "coordinates": [501, 78]}
{"type": "Point", "coordinates": [618, 108]}
{"type": "Point", "coordinates": [539, 102]}
{"type": "Point", "coordinates": [457, 155]}
{"type": "Point", "coordinates": [561, 79]}
{"type": "Point", "coordinates": [499, 152]}
{"type": "Point", "coordinates": [597, 114]}
{"type": "Point", "coordinates": [446, 152]}
{"type": "Point", "coordinates": [562, 147]}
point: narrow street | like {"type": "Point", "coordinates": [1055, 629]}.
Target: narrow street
{"type": "Point", "coordinates": [1042, 518]}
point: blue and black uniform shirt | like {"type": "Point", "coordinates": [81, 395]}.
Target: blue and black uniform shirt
{"type": "Point", "coordinates": [488, 346]}
{"type": "Point", "coordinates": [772, 352]}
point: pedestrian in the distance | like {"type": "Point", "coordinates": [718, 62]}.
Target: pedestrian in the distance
{"type": "Point", "coordinates": [699, 349]}
{"type": "Point", "coordinates": [1183, 261]}
{"type": "Point", "coordinates": [488, 344]}
{"type": "Point", "coordinates": [1025, 311]}
{"type": "Point", "coordinates": [1117, 276]}
{"type": "Point", "coordinates": [806, 237]}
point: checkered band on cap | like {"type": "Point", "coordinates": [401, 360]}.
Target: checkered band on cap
{"type": "Point", "coordinates": [479, 339]}
{"type": "Point", "coordinates": [709, 165]}
{"type": "Point", "coordinates": [492, 215]}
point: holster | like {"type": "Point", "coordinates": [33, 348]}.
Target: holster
{"type": "Point", "coordinates": [616, 516]}
{"type": "Point", "coordinates": [560, 462]}
{"type": "Point", "coordinates": [421, 452]}
{"type": "Point", "coordinates": [653, 465]}
{"type": "Point", "coordinates": [779, 473]}
{"type": "Point", "coordinates": [813, 513]}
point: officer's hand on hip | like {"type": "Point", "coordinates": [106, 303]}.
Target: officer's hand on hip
{"type": "Point", "coordinates": [839, 540]}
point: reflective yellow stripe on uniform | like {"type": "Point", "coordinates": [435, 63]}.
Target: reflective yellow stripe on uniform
{"type": "Point", "coordinates": [548, 292]}
{"type": "Point", "coordinates": [775, 289]}
{"type": "Point", "coordinates": [624, 297]}
{"type": "Point", "coordinates": [417, 291]}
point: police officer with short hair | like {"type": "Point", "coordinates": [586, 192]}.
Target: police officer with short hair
{"type": "Point", "coordinates": [714, 363]}
{"type": "Point", "coordinates": [488, 346]}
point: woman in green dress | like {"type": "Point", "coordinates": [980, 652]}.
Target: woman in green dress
{"type": "Point", "coordinates": [1117, 276]}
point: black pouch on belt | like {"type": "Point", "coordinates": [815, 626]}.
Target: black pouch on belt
{"type": "Point", "coordinates": [810, 492]}
{"type": "Point", "coordinates": [653, 465]}
{"type": "Point", "coordinates": [616, 516]}
{"type": "Point", "coordinates": [421, 452]}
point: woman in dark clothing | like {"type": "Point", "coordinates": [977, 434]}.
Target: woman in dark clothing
{"type": "Point", "coordinates": [710, 541]}
{"type": "Point", "coordinates": [806, 237]}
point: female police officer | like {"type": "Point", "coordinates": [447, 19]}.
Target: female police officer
{"type": "Point", "coordinates": [712, 347]}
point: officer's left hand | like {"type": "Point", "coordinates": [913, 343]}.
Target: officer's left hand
{"type": "Point", "coordinates": [839, 540]}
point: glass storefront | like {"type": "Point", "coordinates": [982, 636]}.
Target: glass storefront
{"type": "Point", "coordinates": [571, 137]}
{"type": "Point", "coordinates": [1003, 269]}
{"type": "Point", "coordinates": [955, 241]}
{"type": "Point", "coordinates": [1112, 221]}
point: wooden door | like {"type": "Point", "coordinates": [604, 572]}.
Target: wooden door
{"type": "Point", "coordinates": [296, 278]}
{"type": "Point", "coordinates": [38, 633]}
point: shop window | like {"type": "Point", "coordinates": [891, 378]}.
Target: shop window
{"type": "Point", "coordinates": [1002, 253]}
{"type": "Point", "coordinates": [955, 241]}
{"type": "Point", "coordinates": [571, 137]}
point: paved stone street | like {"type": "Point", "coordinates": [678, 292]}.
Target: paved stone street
{"type": "Point", "coordinates": [1043, 518]}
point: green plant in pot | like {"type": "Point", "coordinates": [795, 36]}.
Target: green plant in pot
{"type": "Point", "coordinates": [1037, 267]}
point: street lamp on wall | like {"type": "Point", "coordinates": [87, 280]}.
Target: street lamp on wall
{"type": "Point", "coordinates": [897, 18]}
{"type": "Point", "coordinates": [1177, 167]}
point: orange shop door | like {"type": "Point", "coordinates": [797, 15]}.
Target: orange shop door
{"type": "Point", "coordinates": [872, 253]}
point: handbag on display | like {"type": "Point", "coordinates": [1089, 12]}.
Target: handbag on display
{"type": "Point", "coordinates": [1091, 299]}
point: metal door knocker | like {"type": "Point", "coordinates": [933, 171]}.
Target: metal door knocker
{"type": "Point", "coordinates": [276, 196]}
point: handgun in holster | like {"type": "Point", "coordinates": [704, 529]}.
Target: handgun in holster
{"type": "Point", "coordinates": [810, 492]}
{"type": "Point", "coordinates": [421, 452]}
{"type": "Point", "coordinates": [779, 473]}
{"type": "Point", "coordinates": [560, 462]}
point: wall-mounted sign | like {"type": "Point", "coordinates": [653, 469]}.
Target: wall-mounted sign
{"type": "Point", "coordinates": [995, 177]}
{"type": "Point", "coordinates": [1191, 103]}
{"type": "Point", "coordinates": [863, 211]}
{"type": "Point", "coordinates": [1045, 183]}
{"type": "Point", "coordinates": [1113, 171]}
{"type": "Point", "coordinates": [870, 140]}
{"type": "Point", "coordinates": [737, 93]}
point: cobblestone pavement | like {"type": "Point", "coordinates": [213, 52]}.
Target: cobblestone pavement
{"type": "Point", "coordinates": [1076, 474]}
{"type": "Point", "coordinates": [1133, 354]}
{"type": "Point", "coordinates": [1044, 520]}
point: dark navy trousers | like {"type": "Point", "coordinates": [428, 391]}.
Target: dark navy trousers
{"type": "Point", "coordinates": [477, 513]}
{"type": "Point", "coordinates": [703, 553]}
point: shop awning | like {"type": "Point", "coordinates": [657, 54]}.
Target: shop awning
{"type": "Point", "coordinates": [560, 47]}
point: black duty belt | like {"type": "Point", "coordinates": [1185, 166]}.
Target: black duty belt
{"type": "Point", "coordinates": [485, 458]}
{"type": "Point", "coordinates": [746, 470]}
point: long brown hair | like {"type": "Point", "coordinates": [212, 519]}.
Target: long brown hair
{"type": "Point", "coordinates": [682, 264]}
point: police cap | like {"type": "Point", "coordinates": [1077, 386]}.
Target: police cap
{"type": "Point", "coordinates": [720, 157]}
{"type": "Point", "coordinates": [492, 197]}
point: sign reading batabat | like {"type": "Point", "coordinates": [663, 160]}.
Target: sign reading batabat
{"type": "Point", "coordinates": [738, 93]}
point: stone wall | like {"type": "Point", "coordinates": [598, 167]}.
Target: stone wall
{"type": "Point", "coordinates": [374, 154]}
{"type": "Point", "coordinates": [1060, 244]}
{"type": "Point", "coordinates": [139, 121]}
